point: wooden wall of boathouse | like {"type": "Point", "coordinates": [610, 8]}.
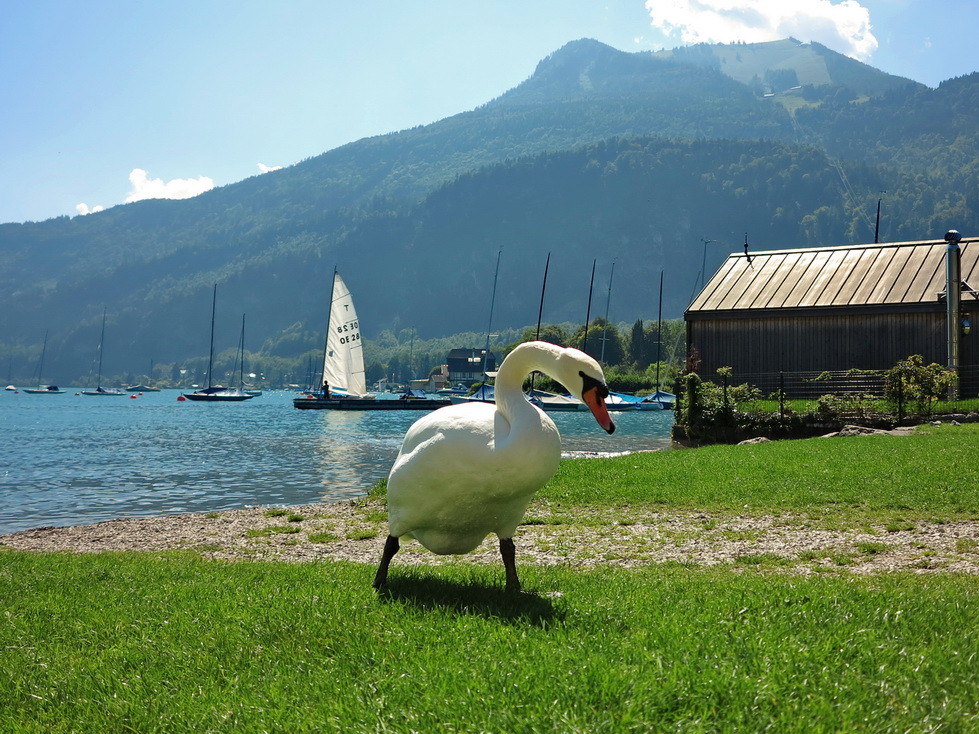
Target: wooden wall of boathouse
{"type": "Point", "coordinates": [819, 341]}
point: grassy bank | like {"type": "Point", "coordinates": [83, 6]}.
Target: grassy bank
{"type": "Point", "coordinates": [170, 642]}
{"type": "Point", "coordinates": [931, 475]}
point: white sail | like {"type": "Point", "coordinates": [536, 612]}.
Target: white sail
{"type": "Point", "coordinates": [343, 366]}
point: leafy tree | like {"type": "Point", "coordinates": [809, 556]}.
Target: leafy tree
{"type": "Point", "coordinates": [553, 333]}
{"type": "Point", "coordinates": [604, 342]}
{"type": "Point", "coordinates": [912, 381]}
{"type": "Point", "coordinates": [374, 372]}
{"type": "Point", "coordinates": [638, 351]}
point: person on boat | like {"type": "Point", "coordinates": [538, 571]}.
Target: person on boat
{"type": "Point", "coordinates": [326, 390]}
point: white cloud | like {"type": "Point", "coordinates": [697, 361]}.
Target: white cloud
{"type": "Point", "coordinates": [265, 169]}
{"type": "Point", "coordinates": [145, 187]}
{"type": "Point", "coordinates": [842, 26]}
{"type": "Point", "coordinates": [84, 209]}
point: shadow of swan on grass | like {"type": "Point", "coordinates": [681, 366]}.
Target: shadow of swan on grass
{"type": "Point", "coordinates": [470, 597]}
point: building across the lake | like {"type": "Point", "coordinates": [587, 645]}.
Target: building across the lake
{"type": "Point", "coordinates": [839, 308]}
{"type": "Point", "coordinates": [467, 366]}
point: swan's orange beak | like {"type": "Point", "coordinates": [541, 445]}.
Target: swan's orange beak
{"type": "Point", "coordinates": [596, 404]}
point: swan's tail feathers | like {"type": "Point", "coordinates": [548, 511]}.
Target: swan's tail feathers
{"type": "Point", "coordinates": [509, 552]}
{"type": "Point", "coordinates": [391, 546]}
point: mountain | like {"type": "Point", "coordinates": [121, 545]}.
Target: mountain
{"type": "Point", "coordinates": [780, 66]}
{"type": "Point", "coordinates": [598, 155]}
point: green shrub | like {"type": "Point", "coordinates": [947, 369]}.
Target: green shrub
{"type": "Point", "coordinates": [913, 382]}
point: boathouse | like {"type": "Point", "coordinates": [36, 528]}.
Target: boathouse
{"type": "Point", "coordinates": [839, 308]}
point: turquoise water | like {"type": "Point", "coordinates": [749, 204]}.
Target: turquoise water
{"type": "Point", "coordinates": [71, 459]}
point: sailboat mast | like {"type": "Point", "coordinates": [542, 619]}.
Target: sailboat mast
{"type": "Point", "coordinates": [543, 287]}
{"type": "Point", "coordinates": [40, 364]}
{"type": "Point", "coordinates": [608, 300]}
{"type": "Point", "coordinates": [101, 342]}
{"type": "Point", "coordinates": [210, 357]}
{"type": "Point", "coordinates": [329, 316]}
{"type": "Point", "coordinates": [659, 329]}
{"type": "Point", "coordinates": [540, 314]}
{"type": "Point", "coordinates": [591, 284]}
{"type": "Point", "coordinates": [241, 355]}
{"type": "Point", "coordinates": [489, 325]}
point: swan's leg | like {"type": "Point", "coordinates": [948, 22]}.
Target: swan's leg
{"type": "Point", "coordinates": [391, 547]}
{"type": "Point", "coordinates": [508, 551]}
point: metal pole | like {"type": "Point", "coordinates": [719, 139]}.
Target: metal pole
{"type": "Point", "coordinates": [953, 297]}
{"type": "Point", "coordinates": [877, 224]}
{"type": "Point", "coordinates": [781, 394]}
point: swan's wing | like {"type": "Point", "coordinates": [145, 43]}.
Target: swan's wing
{"type": "Point", "coordinates": [463, 473]}
{"type": "Point", "coordinates": [452, 420]}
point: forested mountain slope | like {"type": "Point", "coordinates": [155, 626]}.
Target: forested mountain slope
{"type": "Point", "coordinates": [599, 155]}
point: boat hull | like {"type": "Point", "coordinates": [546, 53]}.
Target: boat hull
{"type": "Point", "coordinates": [319, 403]}
{"type": "Point", "coordinates": [560, 407]}
{"type": "Point", "coordinates": [218, 397]}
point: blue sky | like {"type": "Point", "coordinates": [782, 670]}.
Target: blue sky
{"type": "Point", "coordinates": [108, 101]}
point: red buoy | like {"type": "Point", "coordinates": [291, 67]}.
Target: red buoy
{"type": "Point", "coordinates": [181, 398]}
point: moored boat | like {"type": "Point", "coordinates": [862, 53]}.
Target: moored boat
{"type": "Point", "coordinates": [100, 391]}
{"type": "Point", "coordinates": [344, 386]}
{"type": "Point", "coordinates": [553, 403]}
{"type": "Point", "coordinates": [217, 393]}
{"type": "Point", "coordinates": [665, 400]}
{"type": "Point", "coordinates": [41, 389]}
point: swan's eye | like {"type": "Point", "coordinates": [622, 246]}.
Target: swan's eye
{"type": "Point", "coordinates": [588, 382]}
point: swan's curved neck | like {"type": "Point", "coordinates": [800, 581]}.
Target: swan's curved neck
{"type": "Point", "coordinates": [515, 368]}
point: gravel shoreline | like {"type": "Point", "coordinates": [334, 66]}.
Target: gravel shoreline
{"type": "Point", "coordinates": [621, 537]}
{"type": "Point", "coordinates": [626, 537]}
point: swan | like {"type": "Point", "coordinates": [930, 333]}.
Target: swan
{"type": "Point", "coordinates": [465, 471]}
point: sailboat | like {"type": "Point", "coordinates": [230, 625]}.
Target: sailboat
{"type": "Point", "coordinates": [141, 387]}
{"type": "Point", "coordinates": [99, 390]}
{"type": "Point", "coordinates": [344, 386]}
{"type": "Point", "coordinates": [240, 363]}
{"type": "Point", "coordinates": [486, 393]}
{"type": "Point", "coordinates": [42, 389]}
{"type": "Point", "coordinates": [217, 393]}
{"type": "Point", "coordinates": [665, 400]}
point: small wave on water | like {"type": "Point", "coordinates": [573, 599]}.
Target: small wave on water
{"type": "Point", "coordinates": [70, 459]}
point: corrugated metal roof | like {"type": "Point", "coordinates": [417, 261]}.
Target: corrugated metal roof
{"type": "Point", "coordinates": [821, 277]}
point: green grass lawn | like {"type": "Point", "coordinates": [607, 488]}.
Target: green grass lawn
{"type": "Point", "coordinates": [171, 642]}
{"type": "Point", "coordinates": [932, 475]}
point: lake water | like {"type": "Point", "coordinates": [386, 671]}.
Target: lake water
{"type": "Point", "coordinates": [72, 459]}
